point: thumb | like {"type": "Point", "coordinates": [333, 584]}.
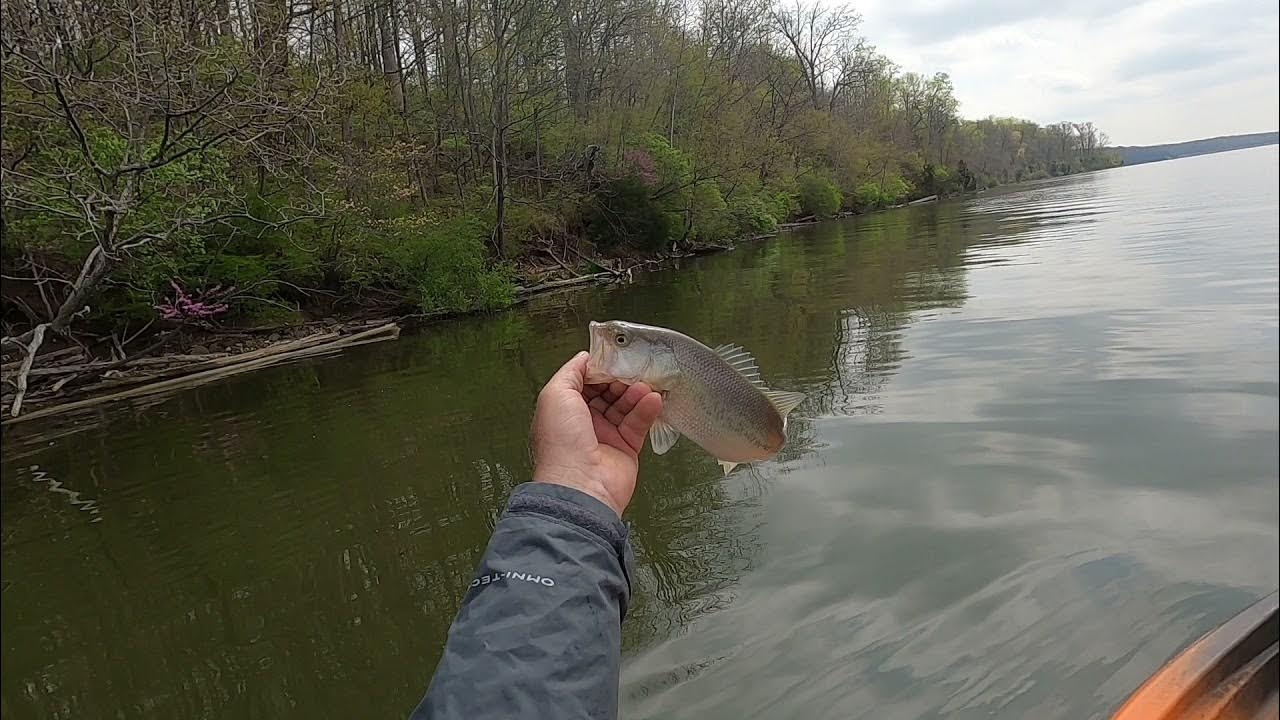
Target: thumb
{"type": "Point", "coordinates": [635, 426]}
{"type": "Point", "coordinates": [571, 375]}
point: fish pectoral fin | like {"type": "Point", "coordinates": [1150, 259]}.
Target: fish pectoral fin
{"type": "Point", "coordinates": [728, 466]}
{"type": "Point", "coordinates": [662, 436]}
{"type": "Point", "coordinates": [784, 401]}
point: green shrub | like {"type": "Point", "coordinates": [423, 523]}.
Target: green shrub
{"type": "Point", "coordinates": [529, 222]}
{"type": "Point", "coordinates": [753, 213]}
{"type": "Point", "coordinates": [782, 205]}
{"type": "Point", "coordinates": [624, 214]}
{"type": "Point", "coordinates": [867, 196]}
{"type": "Point", "coordinates": [711, 219]}
{"type": "Point", "coordinates": [874, 195]}
{"type": "Point", "coordinates": [671, 169]}
{"type": "Point", "coordinates": [896, 189]}
{"type": "Point", "coordinates": [258, 313]}
{"type": "Point", "coordinates": [819, 196]}
{"type": "Point", "coordinates": [441, 265]}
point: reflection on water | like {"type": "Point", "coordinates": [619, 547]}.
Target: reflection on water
{"type": "Point", "coordinates": [1039, 454]}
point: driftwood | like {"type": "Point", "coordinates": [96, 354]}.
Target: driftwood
{"type": "Point", "coordinates": [623, 274]}
{"type": "Point", "coordinates": [593, 261]}
{"type": "Point", "coordinates": [554, 284]}
{"type": "Point", "coordinates": [194, 374]}
{"type": "Point", "coordinates": [37, 337]}
{"type": "Point", "coordinates": [44, 357]}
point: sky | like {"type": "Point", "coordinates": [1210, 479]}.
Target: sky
{"type": "Point", "coordinates": [1144, 72]}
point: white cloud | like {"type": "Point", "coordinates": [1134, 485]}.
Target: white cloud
{"type": "Point", "coordinates": [1145, 72]}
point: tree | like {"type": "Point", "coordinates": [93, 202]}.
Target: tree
{"type": "Point", "coordinates": [818, 36]}
{"type": "Point", "coordinates": [107, 173]}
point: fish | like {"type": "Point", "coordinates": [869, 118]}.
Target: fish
{"type": "Point", "coordinates": [713, 396]}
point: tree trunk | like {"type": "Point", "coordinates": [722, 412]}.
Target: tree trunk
{"type": "Point", "coordinates": [573, 73]}
{"type": "Point", "coordinates": [391, 58]}
{"type": "Point", "coordinates": [499, 150]}
{"type": "Point", "coordinates": [339, 36]}
{"type": "Point", "coordinates": [537, 151]}
{"type": "Point", "coordinates": [419, 50]}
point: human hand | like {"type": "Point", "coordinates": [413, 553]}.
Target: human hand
{"type": "Point", "coordinates": [588, 437]}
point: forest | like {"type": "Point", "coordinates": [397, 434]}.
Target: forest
{"type": "Point", "coordinates": [172, 163]}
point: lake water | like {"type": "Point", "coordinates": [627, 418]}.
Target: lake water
{"type": "Point", "coordinates": [1039, 455]}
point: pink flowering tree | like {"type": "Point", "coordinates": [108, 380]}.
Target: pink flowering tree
{"type": "Point", "coordinates": [642, 165]}
{"type": "Point", "coordinates": [186, 307]}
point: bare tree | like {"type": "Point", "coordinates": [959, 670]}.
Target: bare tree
{"type": "Point", "coordinates": [817, 35]}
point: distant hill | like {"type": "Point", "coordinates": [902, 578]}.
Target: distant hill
{"type": "Point", "coordinates": [1137, 154]}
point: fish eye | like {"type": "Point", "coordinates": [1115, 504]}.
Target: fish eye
{"type": "Point", "coordinates": [620, 338]}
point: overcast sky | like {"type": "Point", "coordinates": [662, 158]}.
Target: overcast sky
{"type": "Point", "coordinates": [1144, 72]}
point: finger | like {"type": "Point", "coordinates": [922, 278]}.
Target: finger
{"type": "Point", "coordinates": [625, 404]}
{"type": "Point", "coordinates": [606, 432]}
{"type": "Point", "coordinates": [600, 404]}
{"type": "Point", "coordinates": [571, 375]}
{"type": "Point", "coordinates": [636, 424]}
{"type": "Point", "coordinates": [617, 389]}
{"type": "Point", "coordinates": [610, 396]}
{"type": "Point", "coordinates": [593, 391]}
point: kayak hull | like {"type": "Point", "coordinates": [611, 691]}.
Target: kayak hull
{"type": "Point", "coordinates": [1231, 673]}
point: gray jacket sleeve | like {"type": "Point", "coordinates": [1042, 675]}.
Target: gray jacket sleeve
{"type": "Point", "coordinates": [539, 634]}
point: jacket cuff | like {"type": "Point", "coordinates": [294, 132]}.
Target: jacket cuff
{"type": "Point", "coordinates": [571, 506]}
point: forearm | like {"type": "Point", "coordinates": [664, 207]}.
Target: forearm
{"type": "Point", "coordinates": [539, 631]}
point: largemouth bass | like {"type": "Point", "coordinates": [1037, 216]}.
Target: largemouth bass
{"type": "Point", "coordinates": [714, 397]}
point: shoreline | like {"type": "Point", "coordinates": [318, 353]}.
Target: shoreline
{"type": "Point", "coordinates": [70, 379]}
{"type": "Point", "coordinates": [207, 354]}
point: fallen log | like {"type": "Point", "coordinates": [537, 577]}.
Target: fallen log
{"type": "Point", "coordinates": [553, 284]}
{"type": "Point", "coordinates": [118, 365]}
{"type": "Point", "coordinates": [12, 367]}
{"type": "Point", "coordinates": [215, 369]}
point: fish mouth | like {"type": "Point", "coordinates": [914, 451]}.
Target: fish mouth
{"type": "Point", "coordinates": [598, 349]}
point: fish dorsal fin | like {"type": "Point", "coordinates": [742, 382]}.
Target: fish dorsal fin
{"type": "Point", "coordinates": [784, 401]}
{"type": "Point", "coordinates": [662, 436]}
{"type": "Point", "coordinates": [742, 361]}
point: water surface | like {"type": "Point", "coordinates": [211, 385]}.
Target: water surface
{"type": "Point", "coordinates": [1039, 455]}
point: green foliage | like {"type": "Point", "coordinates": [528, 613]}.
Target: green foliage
{"type": "Point", "coordinates": [526, 223]}
{"type": "Point", "coordinates": [409, 190]}
{"type": "Point", "coordinates": [190, 188]}
{"type": "Point", "coordinates": [896, 189]}
{"type": "Point", "coordinates": [782, 205]}
{"type": "Point", "coordinates": [867, 196]}
{"type": "Point", "coordinates": [876, 195]}
{"type": "Point", "coordinates": [819, 196]}
{"type": "Point", "coordinates": [624, 214]}
{"type": "Point", "coordinates": [440, 264]}
{"type": "Point", "coordinates": [261, 313]}
{"type": "Point", "coordinates": [710, 218]}
{"type": "Point", "coordinates": [755, 213]}
{"type": "Point", "coordinates": [672, 166]}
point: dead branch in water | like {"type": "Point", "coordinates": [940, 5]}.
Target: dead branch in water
{"type": "Point", "coordinates": [31, 348]}
{"type": "Point", "coordinates": [554, 284]}
{"type": "Point", "coordinates": [206, 369]}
